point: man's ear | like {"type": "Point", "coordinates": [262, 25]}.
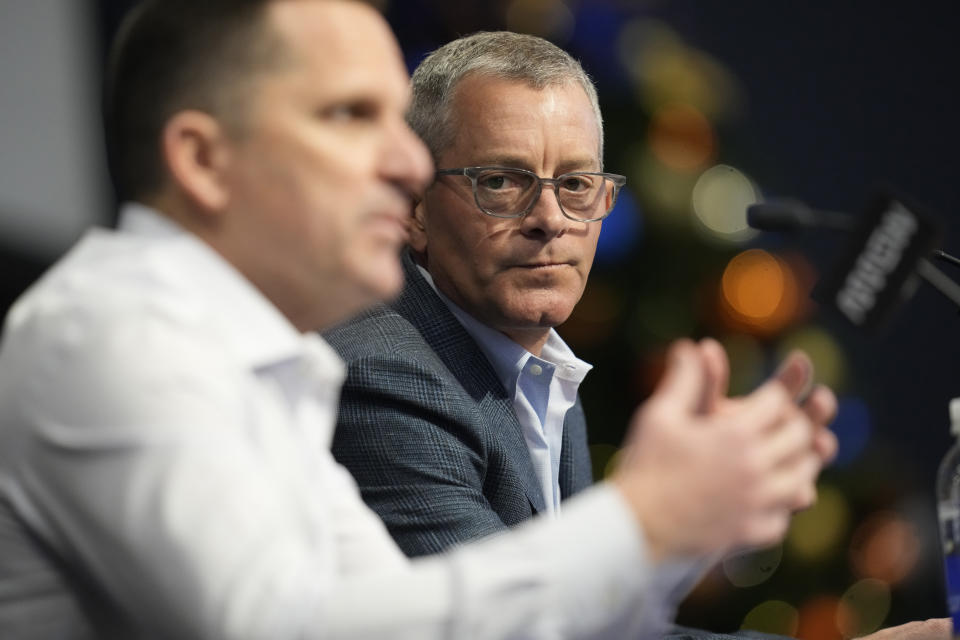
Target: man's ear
{"type": "Point", "coordinates": [418, 229]}
{"type": "Point", "coordinates": [196, 152]}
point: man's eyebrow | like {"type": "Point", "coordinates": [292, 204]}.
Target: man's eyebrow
{"type": "Point", "coordinates": [496, 160]}
{"type": "Point", "coordinates": [584, 163]}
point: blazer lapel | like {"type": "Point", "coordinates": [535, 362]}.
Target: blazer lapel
{"type": "Point", "coordinates": [420, 304]}
{"type": "Point", "coordinates": [576, 471]}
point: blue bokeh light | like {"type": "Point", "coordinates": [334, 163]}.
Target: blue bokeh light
{"type": "Point", "coordinates": [852, 427]}
{"type": "Point", "coordinates": [621, 230]}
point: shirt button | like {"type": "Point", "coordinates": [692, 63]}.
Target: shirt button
{"type": "Point", "coordinates": [536, 369]}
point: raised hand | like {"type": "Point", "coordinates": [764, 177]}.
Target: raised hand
{"type": "Point", "coordinates": [706, 473]}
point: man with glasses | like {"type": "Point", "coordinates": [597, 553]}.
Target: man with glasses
{"type": "Point", "coordinates": [460, 415]}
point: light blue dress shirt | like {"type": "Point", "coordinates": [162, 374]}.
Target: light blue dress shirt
{"type": "Point", "coordinates": [543, 389]}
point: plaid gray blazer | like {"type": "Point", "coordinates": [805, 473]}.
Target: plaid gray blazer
{"type": "Point", "coordinates": [428, 431]}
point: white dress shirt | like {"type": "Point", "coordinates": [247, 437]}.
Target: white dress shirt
{"type": "Point", "coordinates": [164, 468]}
{"type": "Point", "coordinates": [543, 390]}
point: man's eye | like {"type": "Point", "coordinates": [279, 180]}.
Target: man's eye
{"type": "Point", "coordinates": [575, 183]}
{"type": "Point", "coordinates": [503, 180]}
{"type": "Point", "coordinates": [494, 182]}
{"type": "Point", "coordinates": [350, 111]}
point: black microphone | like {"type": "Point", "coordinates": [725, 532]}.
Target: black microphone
{"type": "Point", "coordinates": [788, 215]}
{"type": "Point", "coordinates": [793, 215]}
{"type": "Point", "coordinates": [887, 252]}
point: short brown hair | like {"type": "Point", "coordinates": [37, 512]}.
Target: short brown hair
{"type": "Point", "coordinates": [171, 55]}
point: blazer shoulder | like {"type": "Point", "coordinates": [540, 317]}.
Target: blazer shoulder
{"type": "Point", "coordinates": [378, 331]}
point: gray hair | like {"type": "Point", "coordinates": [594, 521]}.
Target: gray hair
{"type": "Point", "coordinates": [500, 54]}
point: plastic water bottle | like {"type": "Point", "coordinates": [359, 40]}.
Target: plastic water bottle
{"type": "Point", "coordinates": [948, 499]}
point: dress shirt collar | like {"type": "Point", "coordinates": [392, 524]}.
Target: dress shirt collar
{"type": "Point", "coordinates": [507, 357]}
{"type": "Point", "coordinates": [245, 321]}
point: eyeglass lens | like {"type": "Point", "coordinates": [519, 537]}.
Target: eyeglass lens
{"type": "Point", "coordinates": [504, 192]}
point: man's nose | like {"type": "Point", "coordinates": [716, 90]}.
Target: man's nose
{"type": "Point", "coordinates": [546, 217]}
{"type": "Point", "coordinates": [407, 160]}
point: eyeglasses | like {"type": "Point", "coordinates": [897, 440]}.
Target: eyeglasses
{"type": "Point", "coordinates": [502, 192]}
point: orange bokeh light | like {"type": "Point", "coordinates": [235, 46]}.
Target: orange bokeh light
{"type": "Point", "coordinates": [753, 284]}
{"type": "Point", "coordinates": [885, 547]}
{"type": "Point", "coordinates": [818, 619]}
{"type": "Point", "coordinates": [759, 292]}
{"type": "Point", "coordinates": [682, 138]}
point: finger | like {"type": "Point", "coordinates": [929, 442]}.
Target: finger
{"type": "Point", "coordinates": [718, 373]}
{"type": "Point", "coordinates": [790, 440]}
{"type": "Point", "coordinates": [821, 405]}
{"type": "Point", "coordinates": [792, 486]}
{"type": "Point", "coordinates": [796, 374]}
{"type": "Point", "coordinates": [763, 409]}
{"type": "Point", "coordinates": [682, 385]}
{"type": "Point", "coordinates": [933, 629]}
{"type": "Point", "coordinates": [825, 445]}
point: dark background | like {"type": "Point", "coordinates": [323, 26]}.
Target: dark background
{"type": "Point", "coordinates": [828, 100]}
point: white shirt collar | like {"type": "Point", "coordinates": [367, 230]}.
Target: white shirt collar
{"type": "Point", "coordinates": [508, 357]}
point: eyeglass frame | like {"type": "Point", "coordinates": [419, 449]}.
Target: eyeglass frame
{"type": "Point", "coordinates": [617, 180]}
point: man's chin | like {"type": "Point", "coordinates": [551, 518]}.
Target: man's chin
{"type": "Point", "coordinates": [542, 316]}
{"type": "Point", "coordinates": [381, 280]}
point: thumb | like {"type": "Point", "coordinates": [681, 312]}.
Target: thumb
{"type": "Point", "coordinates": [717, 374]}
{"type": "Point", "coordinates": [683, 384]}
{"type": "Point", "coordinates": [796, 374]}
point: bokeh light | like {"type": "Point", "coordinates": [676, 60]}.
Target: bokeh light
{"type": "Point", "coordinates": [649, 369]}
{"type": "Point", "coordinates": [885, 547]}
{"type": "Point", "coordinates": [758, 293]}
{"type": "Point", "coordinates": [863, 608]}
{"type": "Point", "coordinates": [829, 361]}
{"type": "Point", "coordinates": [852, 427]}
{"type": "Point", "coordinates": [600, 456]}
{"type": "Point", "coordinates": [721, 196]}
{"type": "Point", "coordinates": [804, 277]}
{"type": "Point", "coordinates": [620, 231]}
{"type": "Point", "coordinates": [667, 70]}
{"type": "Point", "coordinates": [666, 190]}
{"type": "Point", "coordinates": [551, 19]}
{"type": "Point", "coordinates": [682, 138]}
{"type": "Point", "coordinates": [753, 284]}
{"type": "Point", "coordinates": [815, 533]}
{"type": "Point", "coordinates": [752, 567]}
{"type": "Point", "coordinates": [595, 317]}
{"type": "Point", "coordinates": [612, 463]}
{"type": "Point", "coordinates": [818, 619]}
{"type": "Point", "coordinates": [772, 616]}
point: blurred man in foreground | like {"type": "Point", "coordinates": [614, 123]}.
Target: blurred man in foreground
{"type": "Point", "coordinates": [167, 410]}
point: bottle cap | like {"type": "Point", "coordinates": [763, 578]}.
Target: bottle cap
{"type": "Point", "coordinates": [955, 416]}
